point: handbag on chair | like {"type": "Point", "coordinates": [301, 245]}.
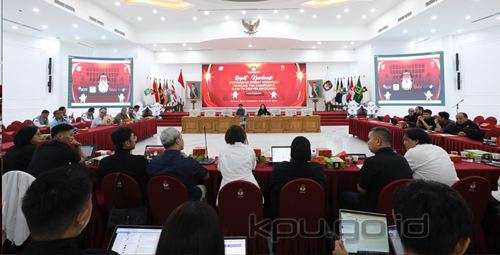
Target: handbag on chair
{"type": "Point", "coordinates": [126, 216]}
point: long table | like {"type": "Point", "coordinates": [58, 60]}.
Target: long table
{"type": "Point", "coordinates": [265, 124]}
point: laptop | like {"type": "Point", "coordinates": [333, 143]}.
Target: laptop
{"type": "Point", "coordinates": [280, 154]}
{"type": "Point", "coordinates": [152, 151]}
{"type": "Point", "coordinates": [396, 244]}
{"type": "Point", "coordinates": [352, 225]}
{"type": "Point", "coordinates": [474, 134]}
{"type": "Point", "coordinates": [129, 239]}
{"type": "Point", "coordinates": [235, 245]}
{"type": "Point", "coordinates": [89, 151]}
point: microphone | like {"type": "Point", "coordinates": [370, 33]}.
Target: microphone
{"type": "Point", "coordinates": [206, 160]}
{"type": "Point", "coordinates": [458, 103]}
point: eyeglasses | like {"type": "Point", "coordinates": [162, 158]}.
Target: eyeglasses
{"type": "Point", "coordinates": [135, 139]}
{"type": "Point", "coordinates": [38, 134]}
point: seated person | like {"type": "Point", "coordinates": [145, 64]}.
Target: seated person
{"type": "Point", "coordinates": [298, 167]}
{"type": "Point", "coordinates": [236, 158]}
{"type": "Point", "coordinates": [130, 113]}
{"type": "Point", "coordinates": [443, 123]}
{"type": "Point", "coordinates": [175, 163]}
{"type": "Point", "coordinates": [58, 152]}
{"type": "Point", "coordinates": [138, 114]}
{"type": "Point", "coordinates": [263, 110]}
{"type": "Point", "coordinates": [57, 207]}
{"type": "Point", "coordinates": [63, 110]}
{"type": "Point", "coordinates": [123, 161]}
{"type": "Point", "coordinates": [59, 119]}
{"type": "Point", "coordinates": [464, 122]}
{"type": "Point", "coordinates": [411, 117]}
{"type": "Point", "coordinates": [428, 161]}
{"type": "Point", "coordinates": [18, 157]}
{"type": "Point", "coordinates": [88, 115]}
{"type": "Point", "coordinates": [419, 110]}
{"type": "Point", "coordinates": [121, 116]}
{"type": "Point", "coordinates": [426, 121]}
{"type": "Point", "coordinates": [383, 168]}
{"type": "Point", "coordinates": [193, 228]}
{"type": "Point", "coordinates": [41, 120]}
{"type": "Point", "coordinates": [241, 112]}
{"type": "Point", "coordinates": [433, 202]}
{"type": "Point", "coordinates": [101, 120]}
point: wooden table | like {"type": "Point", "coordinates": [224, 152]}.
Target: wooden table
{"type": "Point", "coordinates": [282, 124]}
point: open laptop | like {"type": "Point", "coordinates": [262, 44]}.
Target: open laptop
{"type": "Point", "coordinates": [235, 245]}
{"type": "Point", "coordinates": [129, 239]}
{"type": "Point", "coordinates": [280, 154]}
{"type": "Point", "coordinates": [397, 246]}
{"type": "Point", "coordinates": [89, 151]}
{"type": "Point", "coordinates": [152, 151]}
{"type": "Point", "coordinates": [354, 223]}
{"type": "Point", "coordinates": [474, 134]}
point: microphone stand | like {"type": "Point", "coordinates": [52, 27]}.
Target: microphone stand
{"type": "Point", "coordinates": [458, 105]}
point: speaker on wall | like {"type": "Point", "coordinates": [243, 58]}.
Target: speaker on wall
{"type": "Point", "coordinates": [49, 84]}
{"type": "Point", "coordinates": [457, 62]}
{"type": "Point", "coordinates": [458, 80]}
{"type": "Point", "coordinates": [50, 66]}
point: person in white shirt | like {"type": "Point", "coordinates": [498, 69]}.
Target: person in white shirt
{"type": "Point", "coordinates": [101, 120]}
{"type": "Point", "coordinates": [137, 112]}
{"type": "Point", "coordinates": [428, 161]}
{"type": "Point", "coordinates": [236, 158]}
{"type": "Point", "coordinates": [89, 115]}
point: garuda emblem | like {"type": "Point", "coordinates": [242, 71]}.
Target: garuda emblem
{"type": "Point", "coordinates": [252, 28]}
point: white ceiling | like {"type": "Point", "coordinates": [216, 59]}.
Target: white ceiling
{"type": "Point", "coordinates": [450, 18]}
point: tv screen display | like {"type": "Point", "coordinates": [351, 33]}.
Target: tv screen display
{"type": "Point", "coordinates": [412, 79]}
{"type": "Point", "coordinates": [100, 82]}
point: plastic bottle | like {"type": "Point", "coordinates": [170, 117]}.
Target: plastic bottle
{"type": "Point", "coordinates": [313, 153]}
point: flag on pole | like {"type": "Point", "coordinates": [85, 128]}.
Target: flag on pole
{"type": "Point", "coordinates": [173, 93]}
{"type": "Point", "coordinates": [161, 98]}
{"type": "Point", "coordinates": [358, 94]}
{"type": "Point", "coordinates": [366, 94]}
{"type": "Point", "coordinates": [351, 89]}
{"type": "Point", "coordinates": [155, 90]}
{"type": "Point", "coordinates": [166, 93]}
{"type": "Point", "coordinates": [181, 79]}
{"type": "Point", "coordinates": [347, 98]}
{"type": "Point", "coordinates": [338, 96]}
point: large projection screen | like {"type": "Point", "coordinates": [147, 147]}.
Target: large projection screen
{"type": "Point", "coordinates": [100, 82]}
{"type": "Point", "coordinates": [412, 79]}
{"type": "Point", "coordinates": [275, 85]}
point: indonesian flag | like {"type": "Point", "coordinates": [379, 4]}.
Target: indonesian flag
{"type": "Point", "coordinates": [174, 98]}
{"type": "Point", "coordinates": [155, 90]}
{"type": "Point", "coordinates": [181, 79]}
{"type": "Point", "coordinates": [351, 90]}
{"type": "Point", "coordinates": [311, 90]}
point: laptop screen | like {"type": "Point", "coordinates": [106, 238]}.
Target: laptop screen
{"type": "Point", "coordinates": [364, 233]}
{"type": "Point", "coordinates": [89, 150]}
{"type": "Point", "coordinates": [280, 154]}
{"type": "Point", "coordinates": [396, 241]}
{"type": "Point", "coordinates": [135, 239]}
{"type": "Point", "coordinates": [235, 245]}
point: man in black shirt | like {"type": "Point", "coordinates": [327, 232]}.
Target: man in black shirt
{"type": "Point", "coordinates": [464, 122]}
{"type": "Point", "coordinates": [57, 207]}
{"type": "Point", "coordinates": [58, 152]}
{"type": "Point", "coordinates": [241, 112]}
{"type": "Point", "coordinates": [411, 117]}
{"type": "Point", "coordinates": [426, 121]}
{"type": "Point", "coordinates": [377, 171]}
{"type": "Point", "coordinates": [122, 161]}
{"type": "Point", "coordinates": [443, 123]}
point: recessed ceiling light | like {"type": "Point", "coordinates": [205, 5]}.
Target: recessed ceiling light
{"type": "Point", "coordinates": [183, 44]}
{"type": "Point", "coordinates": [190, 48]}
{"type": "Point", "coordinates": [75, 25]}
{"type": "Point", "coordinates": [460, 31]}
{"type": "Point", "coordinates": [301, 10]}
{"type": "Point", "coordinates": [314, 47]}
{"type": "Point", "coordinates": [287, 16]}
{"type": "Point", "coordinates": [372, 10]}
{"type": "Point", "coordinates": [433, 30]}
{"type": "Point", "coordinates": [434, 17]}
{"type": "Point", "coordinates": [260, 17]}
{"type": "Point", "coordinates": [117, 3]}
{"type": "Point", "coordinates": [155, 11]}
{"type": "Point", "coordinates": [163, 18]}
{"type": "Point", "coordinates": [421, 39]}
{"type": "Point", "coordinates": [314, 16]}
{"type": "Point", "coordinates": [103, 37]}
{"type": "Point", "coordinates": [405, 31]}
{"type": "Point", "coordinates": [35, 10]}
{"type": "Point", "coordinates": [467, 17]}
{"type": "Point", "coordinates": [206, 12]}
{"type": "Point", "coordinates": [243, 12]}
{"type": "Point", "coordinates": [363, 17]}
{"type": "Point", "coordinates": [345, 47]}
{"type": "Point", "coordinates": [250, 45]}
{"type": "Point", "coordinates": [498, 17]}
{"type": "Point", "coordinates": [227, 17]}
{"type": "Point", "coordinates": [352, 42]}
{"type": "Point", "coordinates": [163, 49]}
{"type": "Point", "coordinates": [346, 10]}
{"type": "Point", "coordinates": [339, 16]}
{"type": "Point", "coordinates": [275, 11]}
{"type": "Point", "coordinates": [139, 18]}
{"type": "Point", "coordinates": [194, 18]}
{"type": "Point", "coordinates": [52, 38]}
{"type": "Point", "coordinates": [155, 45]}
{"type": "Point", "coordinates": [77, 38]}
{"type": "Point", "coordinates": [319, 42]}
{"type": "Point", "coordinates": [44, 26]}
{"type": "Point", "coordinates": [14, 27]}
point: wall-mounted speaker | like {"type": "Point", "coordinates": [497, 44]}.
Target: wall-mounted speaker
{"type": "Point", "coordinates": [50, 66]}
{"type": "Point", "coordinates": [457, 60]}
{"type": "Point", "coordinates": [49, 83]}
{"type": "Point", "coordinates": [458, 80]}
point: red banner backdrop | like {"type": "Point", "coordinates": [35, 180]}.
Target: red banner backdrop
{"type": "Point", "coordinates": [275, 85]}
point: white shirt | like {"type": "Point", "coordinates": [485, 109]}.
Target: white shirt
{"type": "Point", "coordinates": [138, 114]}
{"type": "Point", "coordinates": [236, 163]}
{"type": "Point", "coordinates": [98, 120]}
{"type": "Point", "coordinates": [431, 162]}
{"type": "Point", "coordinates": [496, 193]}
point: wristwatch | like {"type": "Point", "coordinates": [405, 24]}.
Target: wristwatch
{"type": "Point", "coordinates": [78, 145]}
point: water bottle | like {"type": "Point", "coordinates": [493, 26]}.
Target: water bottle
{"type": "Point", "coordinates": [313, 153]}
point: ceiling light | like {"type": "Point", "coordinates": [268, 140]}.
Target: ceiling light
{"type": "Point", "coordinates": [339, 16]}
{"type": "Point", "coordinates": [467, 17]}
{"type": "Point", "coordinates": [44, 26]}
{"type": "Point", "coordinates": [260, 17]}
{"type": "Point", "coordinates": [52, 38]}
{"type": "Point", "coordinates": [405, 31]}
{"type": "Point", "coordinates": [372, 10]}
{"type": "Point", "coordinates": [319, 42]}
{"type": "Point", "coordinates": [243, 12]}
{"type": "Point", "coordinates": [434, 17]}
{"type": "Point", "coordinates": [194, 18]}
{"type": "Point", "coordinates": [301, 10]}
{"type": "Point", "coordinates": [250, 45]}
{"type": "Point", "coordinates": [498, 18]}
{"type": "Point", "coordinates": [155, 11]}
{"type": "Point", "coordinates": [287, 16]}
{"type": "Point", "coordinates": [345, 47]}
{"type": "Point", "coordinates": [346, 10]}
{"type": "Point", "coordinates": [117, 3]}
{"type": "Point", "coordinates": [275, 11]}
{"type": "Point", "coordinates": [460, 31]}
{"type": "Point", "coordinates": [314, 47]}
{"type": "Point", "coordinates": [163, 49]}
{"type": "Point", "coordinates": [206, 12]}
{"type": "Point", "coordinates": [36, 10]}
{"type": "Point", "coordinates": [14, 27]}
{"type": "Point", "coordinates": [163, 18]}
{"type": "Point", "coordinates": [227, 17]}
{"type": "Point", "coordinates": [190, 48]}
{"type": "Point", "coordinates": [155, 45]}
{"type": "Point", "coordinates": [352, 42]}
{"type": "Point", "coordinates": [103, 37]}
{"type": "Point", "coordinates": [139, 18]}
{"type": "Point", "coordinates": [433, 30]}
{"type": "Point", "coordinates": [183, 44]}
{"type": "Point", "coordinates": [75, 25]}
{"type": "Point", "coordinates": [77, 38]}
{"type": "Point", "coordinates": [314, 16]}
{"type": "Point", "coordinates": [363, 17]}
{"type": "Point", "coordinates": [421, 39]}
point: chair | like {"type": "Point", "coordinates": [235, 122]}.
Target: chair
{"type": "Point", "coordinates": [491, 120]}
{"type": "Point", "coordinates": [290, 112]}
{"type": "Point", "coordinates": [384, 202]}
{"type": "Point", "coordinates": [194, 113]}
{"type": "Point", "coordinates": [79, 119]}
{"type": "Point", "coordinates": [27, 122]}
{"type": "Point", "coordinates": [301, 199]}
{"type": "Point", "coordinates": [492, 133]}
{"type": "Point", "coordinates": [237, 201]}
{"type": "Point", "coordinates": [88, 124]}
{"type": "Point", "coordinates": [387, 118]}
{"type": "Point", "coordinates": [306, 112]}
{"type": "Point", "coordinates": [3, 128]}
{"type": "Point", "coordinates": [209, 113]}
{"type": "Point", "coordinates": [275, 111]}
{"type": "Point", "coordinates": [165, 194]}
{"type": "Point", "coordinates": [7, 138]}
{"type": "Point", "coordinates": [227, 112]}
{"type": "Point", "coordinates": [128, 192]}
{"type": "Point", "coordinates": [12, 127]}
{"type": "Point", "coordinates": [17, 123]}
{"type": "Point", "coordinates": [476, 191]}
{"type": "Point", "coordinates": [479, 119]}
{"type": "Point", "coordinates": [81, 125]}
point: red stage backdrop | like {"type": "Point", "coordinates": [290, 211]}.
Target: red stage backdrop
{"type": "Point", "coordinates": [414, 79]}
{"type": "Point", "coordinates": [275, 85]}
{"type": "Point", "coordinates": [96, 82]}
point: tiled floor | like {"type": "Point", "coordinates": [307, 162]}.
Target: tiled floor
{"type": "Point", "coordinates": [335, 138]}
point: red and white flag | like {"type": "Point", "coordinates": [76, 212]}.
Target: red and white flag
{"type": "Point", "coordinates": [181, 79]}
{"type": "Point", "coordinates": [173, 92]}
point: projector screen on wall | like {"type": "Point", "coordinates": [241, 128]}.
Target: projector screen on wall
{"type": "Point", "coordinates": [100, 82]}
{"type": "Point", "coordinates": [412, 79]}
{"type": "Point", "coordinates": [275, 85]}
